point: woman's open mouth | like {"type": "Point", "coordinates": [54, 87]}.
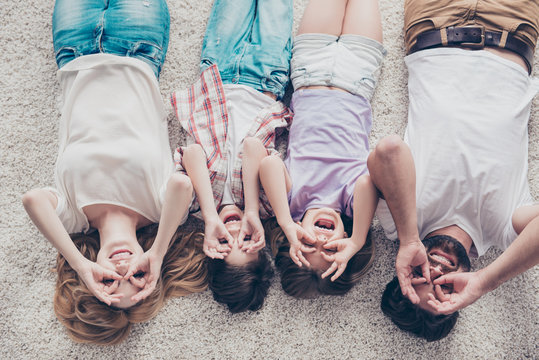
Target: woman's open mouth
{"type": "Point", "coordinates": [120, 254]}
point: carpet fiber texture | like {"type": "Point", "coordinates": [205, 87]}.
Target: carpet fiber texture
{"type": "Point", "coordinates": [503, 324]}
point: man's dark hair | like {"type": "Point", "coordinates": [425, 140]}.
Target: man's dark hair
{"type": "Point", "coordinates": [412, 318]}
{"type": "Point", "coordinates": [241, 288]}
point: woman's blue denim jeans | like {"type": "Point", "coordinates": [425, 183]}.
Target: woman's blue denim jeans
{"type": "Point", "coordinates": [250, 41]}
{"type": "Point", "coordinates": [135, 28]}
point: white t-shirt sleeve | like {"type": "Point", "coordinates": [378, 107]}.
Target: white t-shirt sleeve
{"type": "Point", "coordinates": [66, 214]}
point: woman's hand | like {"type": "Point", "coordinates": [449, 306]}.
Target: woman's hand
{"type": "Point", "coordinates": [295, 233]}
{"type": "Point", "coordinates": [251, 226]}
{"type": "Point", "coordinates": [343, 250]}
{"type": "Point", "coordinates": [96, 278]}
{"type": "Point", "coordinates": [215, 231]}
{"type": "Point", "coordinates": [409, 257]}
{"type": "Point", "coordinates": [148, 266]}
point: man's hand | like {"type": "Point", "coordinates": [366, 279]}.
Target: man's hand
{"type": "Point", "coordinates": [97, 279]}
{"type": "Point", "coordinates": [467, 288]}
{"type": "Point", "coordinates": [214, 231]}
{"type": "Point", "coordinates": [149, 267]}
{"type": "Point", "coordinates": [294, 233]}
{"type": "Point", "coordinates": [344, 250]}
{"type": "Point", "coordinates": [251, 226]}
{"type": "Point", "coordinates": [410, 256]}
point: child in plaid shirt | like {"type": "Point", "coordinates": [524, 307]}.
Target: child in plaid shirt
{"type": "Point", "coordinates": [244, 72]}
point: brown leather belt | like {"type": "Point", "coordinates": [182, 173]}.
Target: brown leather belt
{"type": "Point", "coordinates": [474, 37]}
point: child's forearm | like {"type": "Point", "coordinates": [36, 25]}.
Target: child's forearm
{"type": "Point", "coordinates": [273, 179]}
{"type": "Point", "coordinates": [253, 153]}
{"type": "Point", "coordinates": [365, 202]}
{"type": "Point", "coordinates": [40, 204]}
{"type": "Point", "coordinates": [194, 162]}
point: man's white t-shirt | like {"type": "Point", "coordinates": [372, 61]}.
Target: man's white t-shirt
{"type": "Point", "coordinates": [468, 133]}
{"type": "Point", "coordinates": [114, 145]}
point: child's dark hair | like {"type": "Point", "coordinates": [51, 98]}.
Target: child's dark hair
{"type": "Point", "coordinates": [241, 288]}
{"type": "Point", "coordinates": [303, 282]}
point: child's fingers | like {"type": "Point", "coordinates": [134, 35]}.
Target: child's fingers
{"type": "Point", "coordinates": [329, 270]}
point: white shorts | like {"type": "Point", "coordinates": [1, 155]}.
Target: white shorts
{"type": "Point", "coordinates": [350, 62]}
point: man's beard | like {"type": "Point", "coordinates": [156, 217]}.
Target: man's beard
{"type": "Point", "coordinates": [449, 245]}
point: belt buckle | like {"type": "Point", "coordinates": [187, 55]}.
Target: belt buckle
{"type": "Point", "coordinates": [475, 45]}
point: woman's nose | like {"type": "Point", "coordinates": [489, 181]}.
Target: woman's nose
{"type": "Point", "coordinates": [121, 267]}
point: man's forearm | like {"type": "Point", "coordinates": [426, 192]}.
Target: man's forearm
{"type": "Point", "coordinates": [520, 256]}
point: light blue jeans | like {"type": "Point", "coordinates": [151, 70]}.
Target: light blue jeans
{"type": "Point", "coordinates": [250, 41]}
{"type": "Point", "coordinates": [135, 28]}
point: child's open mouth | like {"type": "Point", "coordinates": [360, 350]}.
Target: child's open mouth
{"type": "Point", "coordinates": [231, 218]}
{"type": "Point", "coordinates": [324, 225]}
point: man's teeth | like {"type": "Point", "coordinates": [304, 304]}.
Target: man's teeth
{"type": "Point", "coordinates": [442, 259]}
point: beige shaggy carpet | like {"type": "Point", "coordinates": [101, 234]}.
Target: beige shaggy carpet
{"type": "Point", "coordinates": [503, 324]}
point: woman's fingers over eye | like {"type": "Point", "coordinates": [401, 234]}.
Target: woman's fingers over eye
{"type": "Point", "coordinates": [138, 282]}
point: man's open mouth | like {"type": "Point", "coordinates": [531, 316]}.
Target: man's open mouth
{"type": "Point", "coordinates": [443, 257]}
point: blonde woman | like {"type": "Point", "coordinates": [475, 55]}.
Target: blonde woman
{"type": "Point", "coordinates": [114, 172]}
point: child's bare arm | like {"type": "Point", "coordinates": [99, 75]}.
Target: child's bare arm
{"type": "Point", "coordinates": [365, 202]}
{"type": "Point", "coordinates": [253, 153]}
{"type": "Point", "coordinates": [194, 162]}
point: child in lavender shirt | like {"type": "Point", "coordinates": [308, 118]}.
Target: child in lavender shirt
{"type": "Point", "coordinates": [335, 64]}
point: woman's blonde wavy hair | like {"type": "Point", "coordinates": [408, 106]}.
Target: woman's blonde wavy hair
{"type": "Point", "coordinates": [88, 320]}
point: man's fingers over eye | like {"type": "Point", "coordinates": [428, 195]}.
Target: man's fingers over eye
{"type": "Point", "coordinates": [407, 289]}
{"type": "Point", "coordinates": [418, 281]}
{"type": "Point", "coordinates": [444, 279]}
{"type": "Point", "coordinates": [440, 294]}
{"type": "Point", "coordinates": [426, 271]}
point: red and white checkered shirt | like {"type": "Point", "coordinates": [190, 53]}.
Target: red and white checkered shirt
{"type": "Point", "coordinates": [202, 112]}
